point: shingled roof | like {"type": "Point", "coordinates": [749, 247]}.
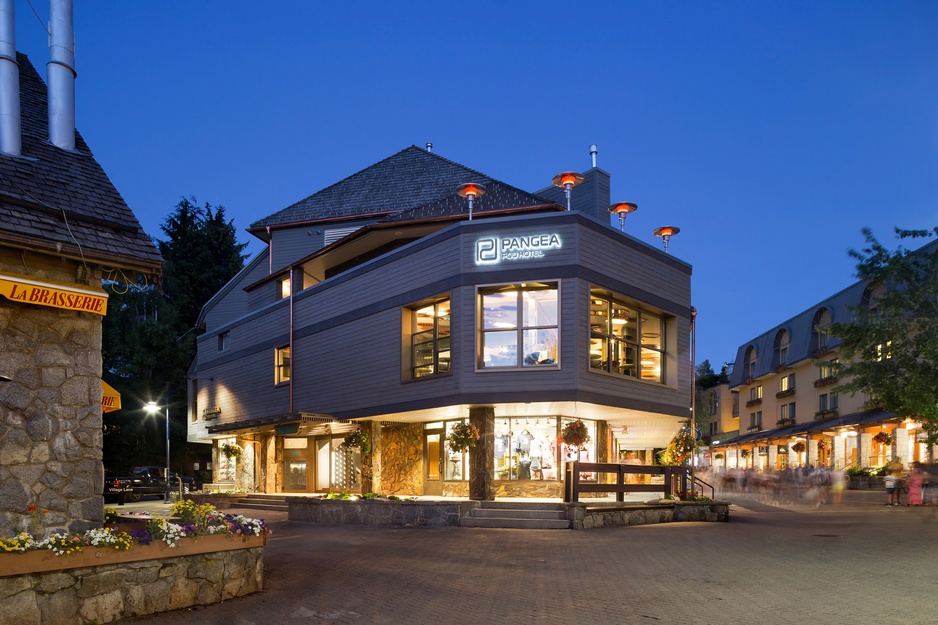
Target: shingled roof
{"type": "Point", "coordinates": [61, 202]}
{"type": "Point", "coordinates": [412, 184]}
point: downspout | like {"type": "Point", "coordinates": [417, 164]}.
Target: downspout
{"type": "Point", "coordinates": [11, 137]}
{"type": "Point", "coordinates": [61, 75]}
{"type": "Point", "coordinates": [693, 397]}
{"type": "Point", "coordinates": [270, 253]}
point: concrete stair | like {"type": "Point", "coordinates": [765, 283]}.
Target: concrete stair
{"type": "Point", "coordinates": [274, 503]}
{"type": "Point", "coordinates": [532, 516]}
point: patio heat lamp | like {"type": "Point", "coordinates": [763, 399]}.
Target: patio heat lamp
{"type": "Point", "coordinates": [471, 191]}
{"type": "Point", "coordinates": [666, 232]}
{"type": "Point", "coordinates": [623, 209]}
{"type": "Point", "coordinates": [567, 180]}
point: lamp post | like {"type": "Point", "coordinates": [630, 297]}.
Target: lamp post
{"type": "Point", "coordinates": [471, 192]}
{"type": "Point", "coordinates": [622, 209]}
{"type": "Point", "coordinates": [666, 232]}
{"type": "Point", "coordinates": [566, 181]}
{"type": "Point", "coordinates": [152, 408]}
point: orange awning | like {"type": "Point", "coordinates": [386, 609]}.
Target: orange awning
{"type": "Point", "coordinates": [110, 399]}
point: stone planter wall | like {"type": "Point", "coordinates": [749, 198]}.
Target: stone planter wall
{"type": "Point", "coordinates": [584, 516]}
{"type": "Point", "coordinates": [107, 592]}
{"type": "Point", "coordinates": [378, 512]}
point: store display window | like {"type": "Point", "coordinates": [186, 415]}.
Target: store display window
{"type": "Point", "coordinates": [529, 448]}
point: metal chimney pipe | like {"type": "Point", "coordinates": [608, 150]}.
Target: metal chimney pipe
{"type": "Point", "coordinates": [61, 74]}
{"type": "Point", "coordinates": [11, 136]}
{"type": "Point", "coordinates": [429, 147]}
{"type": "Point", "coordinates": [593, 152]}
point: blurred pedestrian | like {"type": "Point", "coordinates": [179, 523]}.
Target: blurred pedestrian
{"type": "Point", "coordinates": [916, 485]}
{"type": "Point", "coordinates": [892, 481]}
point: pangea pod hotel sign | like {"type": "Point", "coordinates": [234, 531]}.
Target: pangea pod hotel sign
{"type": "Point", "coordinates": [496, 250]}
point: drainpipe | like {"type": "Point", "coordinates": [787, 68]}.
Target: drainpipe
{"type": "Point", "coordinates": [292, 355]}
{"type": "Point", "coordinates": [61, 75]}
{"type": "Point", "coordinates": [11, 141]}
{"type": "Point", "coordinates": [693, 396]}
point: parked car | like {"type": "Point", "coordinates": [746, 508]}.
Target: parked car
{"type": "Point", "coordinates": [143, 481]}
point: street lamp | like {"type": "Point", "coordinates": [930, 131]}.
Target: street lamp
{"type": "Point", "coordinates": [152, 408]}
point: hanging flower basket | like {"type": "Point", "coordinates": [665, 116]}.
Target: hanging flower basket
{"type": "Point", "coordinates": [231, 451]}
{"type": "Point", "coordinates": [575, 434]}
{"type": "Point", "coordinates": [358, 440]}
{"type": "Point", "coordinates": [798, 447]}
{"type": "Point", "coordinates": [463, 437]}
{"type": "Point", "coordinates": [745, 453]}
{"type": "Point", "coordinates": [883, 438]}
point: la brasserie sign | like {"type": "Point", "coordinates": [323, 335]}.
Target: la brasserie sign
{"type": "Point", "coordinates": [495, 250]}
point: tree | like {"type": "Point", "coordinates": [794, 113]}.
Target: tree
{"type": "Point", "coordinates": [708, 378]}
{"type": "Point", "coordinates": [148, 334]}
{"type": "Point", "coordinates": [890, 346]}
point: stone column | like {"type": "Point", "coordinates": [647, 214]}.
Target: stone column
{"type": "Point", "coordinates": [772, 462]}
{"type": "Point", "coordinates": [901, 447]}
{"type": "Point", "coordinates": [482, 456]}
{"type": "Point", "coordinates": [837, 453]}
{"type": "Point", "coordinates": [371, 462]}
{"type": "Point", "coordinates": [812, 458]}
{"type": "Point", "coordinates": [864, 448]}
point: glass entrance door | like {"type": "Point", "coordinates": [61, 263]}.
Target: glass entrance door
{"type": "Point", "coordinates": [295, 465]}
{"type": "Point", "coordinates": [433, 461]}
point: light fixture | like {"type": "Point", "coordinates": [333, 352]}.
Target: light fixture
{"type": "Point", "coordinates": [471, 191]}
{"type": "Point", "coordinates": [152, 408]}
{"type": "Point", "coordinates": [4, 378]}
{"type": "Point", "coordinates": [567, 180]}
{"type": "Point", "coordinates": [666, 232]}
{"type": "Point", "coordinates": [622, 209]}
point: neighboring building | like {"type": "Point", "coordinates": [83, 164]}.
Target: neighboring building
{"type": "Point", "coordinates": [63, 228]}
{"type": "Point", "coordinates": [380, 304]}
{"type": "Point", "coordinates": [717, 419]}
{"type": "Point", "coordinates": [788, 397]}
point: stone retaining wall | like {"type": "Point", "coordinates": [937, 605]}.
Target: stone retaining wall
{"type": "Point", "coordinates": [378, 512]}
{"type": "Point", "coordinates": [590, 517]}
{"type": "Point", "coordinates": [106, 593]}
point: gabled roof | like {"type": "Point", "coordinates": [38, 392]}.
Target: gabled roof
{"type": "Point", "coordinates": [61, 202]}
{"type": "Point", "coordinates": [411, 179]}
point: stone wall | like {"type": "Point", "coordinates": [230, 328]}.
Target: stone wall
{"type": "Point", "coordinates": [50, 415]}
{"type": "Point", "coordinates": [378, 512]}
{"type": "Point", "coordinates": [583, 516]}
{"type": "Point", "coordinates": [102, 594]}
{"type": "Point", "coordinates": [402, 459]}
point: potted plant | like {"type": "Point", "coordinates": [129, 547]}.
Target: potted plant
{"type": "Point", "coordinates": [463, 437]}
{"type": "Point", "coordinates": [358, 440]}
{"type": "Point", "coordinates": [574, 434]}
{"type": "Point", "coordinates": [883, 438]}
{"type": "Point", "coordinates": [231, 450]}
{"type": "Point", "coordinates": [798, 447]}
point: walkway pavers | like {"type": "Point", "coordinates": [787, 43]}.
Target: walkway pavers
{"type": "Point", "coordinates": [858, 563]}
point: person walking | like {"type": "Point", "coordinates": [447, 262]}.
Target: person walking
{"type": "Point", "coordinates": [892, 482]}
{"type": "Point", "coordinates": [916, 485]}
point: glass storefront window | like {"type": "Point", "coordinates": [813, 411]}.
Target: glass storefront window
{"type": "Point", "coordinates": [430, 339]}
{"type": "Point", "coordinates": [295, 463]}
{"type": "Point", "coordinates": [226, 466]}
{"type": "Point", "coordinates": [456, 466]}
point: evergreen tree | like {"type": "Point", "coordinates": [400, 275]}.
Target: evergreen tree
{"type": "Point", "coordinates": [149, 338]}
{"type": "Point", "coordinates": [890, 346]}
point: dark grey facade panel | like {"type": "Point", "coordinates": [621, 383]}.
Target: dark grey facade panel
{"type": "Point", "coordinates": [235, 304]}
{"type": "Point", "coordinates": [291, 244]}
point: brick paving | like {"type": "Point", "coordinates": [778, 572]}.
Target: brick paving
{"type": "Point", "coordinates": [860, 562]}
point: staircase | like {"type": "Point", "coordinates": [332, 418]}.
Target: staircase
{"type": "Point", "coordinates": [515, 515]}
{"type": "Point", "coordinates": [256, 501]}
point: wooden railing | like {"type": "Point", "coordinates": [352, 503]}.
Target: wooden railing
{"type": "Point", "coordinates": [675, 479]}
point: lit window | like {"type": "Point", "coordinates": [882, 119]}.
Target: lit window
{"type": "Point", "coordinates": [283, 288]}
{"type": "Point", "coordinates": [519, 326]}
{"type": "Point", "coordinates": [787, 382]}
{"type": "Point", "coordinates": [430, 339]}
{"type": "Point", "coordinates": [787, 411]}
{"type": "Point", "coordinates": [755, 393]}
{"type": "Point", "coordinates": [625, 339]}
{"type": "Point", "coordinates": [282, 365]}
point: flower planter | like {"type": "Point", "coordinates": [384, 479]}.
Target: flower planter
{"type": "Point", "coordinates": [42, 560]}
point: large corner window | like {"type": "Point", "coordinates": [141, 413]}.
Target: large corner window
{"type": "Point", "coordinates": [519, 326]}
{"type": "Point", "coordinates": [625, 339]}
{"type": "Point", "coordinates": [282, 364]}
{"type": "Point", "coordinates": [430, 339]}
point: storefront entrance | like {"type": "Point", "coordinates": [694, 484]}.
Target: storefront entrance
{"type": "Point", "coordinates": [320, 464]}
{"type": "Point", "coordinates": [433, 461]}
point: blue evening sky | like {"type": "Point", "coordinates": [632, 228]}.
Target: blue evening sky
{"type": "Point", "coordinates": [769, 132]}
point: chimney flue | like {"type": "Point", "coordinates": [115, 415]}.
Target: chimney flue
{"type": "Point", "coordinates": [593, 152]}
{"type": "Point", "coordinates": [61, 74]}
{"type": "Point", "coordinates": [429, 147]}
{"type": "Point", "coordinates": [11, 137]}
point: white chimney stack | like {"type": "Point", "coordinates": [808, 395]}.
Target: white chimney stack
{"type": "Point", "coordinates": [61, 75]}
{"type": "Point", "coordinates": [11, 137]}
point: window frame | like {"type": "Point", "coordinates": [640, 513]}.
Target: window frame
{"type": "Point", "coordinates": [436, 340]}
{"type": "Point", "coordinates": [605, 303]}
{"type": "Point", "coordinates": [521, 326]}
{"type": "Point", "coordinates": [282, 366]}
